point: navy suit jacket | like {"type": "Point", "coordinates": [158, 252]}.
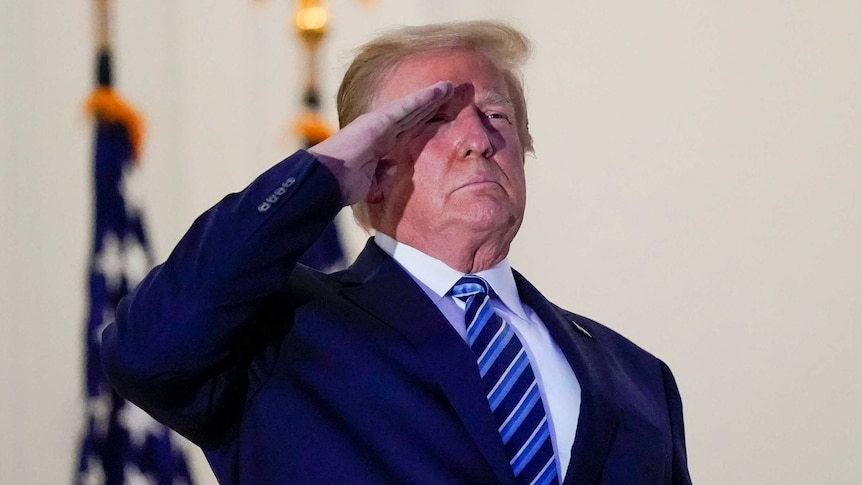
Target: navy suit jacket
{"type": "Point", "coordinates": [285, 375]}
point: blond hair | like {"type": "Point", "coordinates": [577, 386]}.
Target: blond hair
{"type": "Point", "coordinates": [506, 48]}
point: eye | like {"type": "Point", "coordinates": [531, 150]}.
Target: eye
{"type": "Point", "coordinates": [494, 115]}
{"type": "Point", "coordinates": [439, 117]}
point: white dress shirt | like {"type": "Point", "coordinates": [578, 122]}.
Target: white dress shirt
{"type": "Point", "coordinates": [561, 392]}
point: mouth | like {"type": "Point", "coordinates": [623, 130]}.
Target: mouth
{"type": "Point", "coordinates": [479, 184]}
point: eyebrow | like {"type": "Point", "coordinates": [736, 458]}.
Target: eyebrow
{"type": "Point", "coordinates": [494, 98]}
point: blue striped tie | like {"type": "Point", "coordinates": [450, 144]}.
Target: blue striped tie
{"type": "Point", "coordinates": [510, 385]}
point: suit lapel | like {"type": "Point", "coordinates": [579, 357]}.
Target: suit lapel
{"type": "Point", "coordinates": [378, 285]}
{"type": "Point", "coordinates": [599, 416]}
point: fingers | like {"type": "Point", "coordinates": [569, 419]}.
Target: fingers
{"type": "Point", "coordinates": [418, 106]}
{"type": "Point", "coordinates": [352, 154]}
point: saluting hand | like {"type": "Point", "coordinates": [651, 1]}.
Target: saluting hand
{"type": "Point", "coordinates": [352, 153]}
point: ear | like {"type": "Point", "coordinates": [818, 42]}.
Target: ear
{"type": "Point", "coordinates": [385, 169]}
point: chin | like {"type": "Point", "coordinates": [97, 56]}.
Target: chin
{"type": "Point", "coordinates": [488, 219]}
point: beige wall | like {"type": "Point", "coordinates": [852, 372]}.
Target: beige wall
{"type": "Point", "coordinates": [696, 187]}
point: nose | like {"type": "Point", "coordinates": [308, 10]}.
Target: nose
{"type": "Point", "coordinates": [474, 137]}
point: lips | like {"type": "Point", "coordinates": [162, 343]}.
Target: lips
{"type": "Point", "coordinates": [479, 183]}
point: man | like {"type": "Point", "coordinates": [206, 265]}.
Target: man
{"type": "Point", "coordinates": [427, 361]}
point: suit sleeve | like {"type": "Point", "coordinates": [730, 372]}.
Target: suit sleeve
{"type": "Point", "coordinates": [679, 469]}
{"type": "Point", "coordinates": [180, 345]}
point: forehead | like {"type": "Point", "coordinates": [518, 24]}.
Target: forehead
{"type": "Point", "coordinates": [458, 66]}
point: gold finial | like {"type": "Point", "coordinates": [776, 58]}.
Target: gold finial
{"type": "Point", "coordinates": [311, 20]}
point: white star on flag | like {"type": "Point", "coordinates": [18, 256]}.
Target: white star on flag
{"type": "Point", "coordinates": [139, 424]}
{"type": "Point", "coordinates": [109, 261]}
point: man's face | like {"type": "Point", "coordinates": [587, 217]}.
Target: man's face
{"type": "Point", "coordinates": [460, 174]}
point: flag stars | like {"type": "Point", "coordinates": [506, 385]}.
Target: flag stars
{"type": "Point", "coordinates": [93, 474]}
{"type": "Point", "coordinates": [99, 408]}
{"type": "Point", "coordinates": [132, 190]}
{"type": "Point", "coordinates": [109, 261]}
{"type": "Point", "coordinates": [137, 260]}
{"type": "Point", "coordinates": [134, 476]}
{"type": "Point", "coordinates": [139, 425]}
{"type": "Point", "coordinates": [118, 258]}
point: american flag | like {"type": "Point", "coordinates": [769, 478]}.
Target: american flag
{"type": "Point", "coordinates": [121, 444]}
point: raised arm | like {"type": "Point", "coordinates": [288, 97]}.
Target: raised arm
{"type": "Point", "coordinates": [187, 345]}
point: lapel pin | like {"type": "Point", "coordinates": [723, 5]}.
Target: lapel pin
{"type": "Point", "coordinates": [581, 329]}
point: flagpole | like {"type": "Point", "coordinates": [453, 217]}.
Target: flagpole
{"type": "Point", "coordinates": [102, 41]}
{"type": "Point", "coordinates": [101, 25]}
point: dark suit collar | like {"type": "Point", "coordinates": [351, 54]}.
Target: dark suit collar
{"type": "Point", "coordinates": [599, 416]}
{"type": "Point", "coordinates": [375, 275]}
{"type": "Point", "coordinates": [377, 284]}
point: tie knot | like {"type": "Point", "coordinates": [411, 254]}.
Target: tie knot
{"type": "Point", "coordinates": [470, 285]}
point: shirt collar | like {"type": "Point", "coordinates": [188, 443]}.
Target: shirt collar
{"type": "Point", "coordinates": [440, 278]}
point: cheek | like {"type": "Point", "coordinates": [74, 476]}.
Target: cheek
{"type": "Point", "coordinates": [514, 168]}
{"type": "Point", "coordinates": [430, 160]}
{"type": "Point", "coordinates": [412, 149]}
{"type": "Point", "coordinates": [428, 143]}
{"type": "Point", "coordinates": [519, 184]}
